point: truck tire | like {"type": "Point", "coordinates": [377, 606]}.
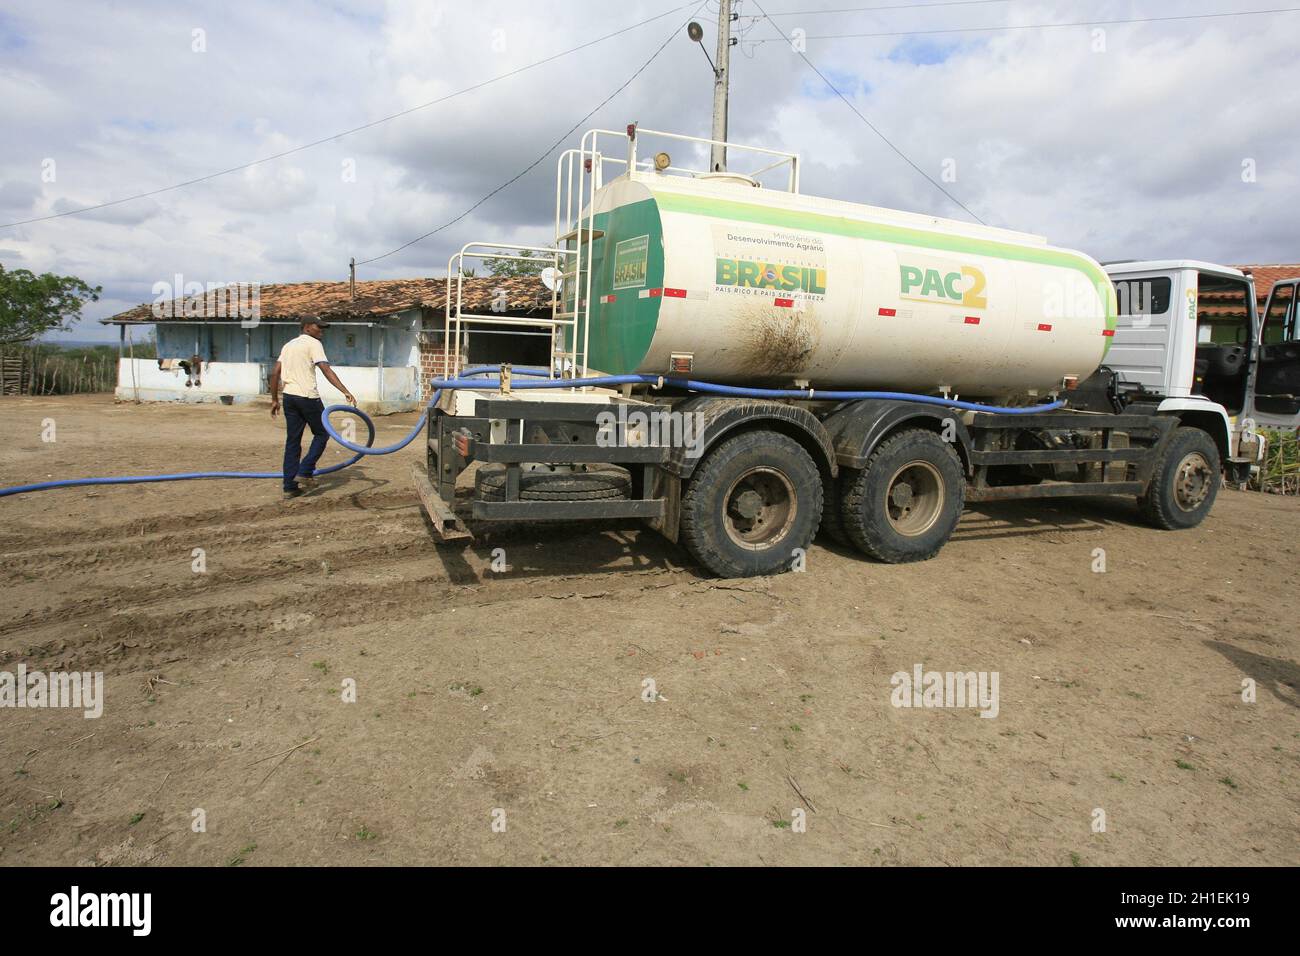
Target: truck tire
{"type": "Point", "coordinates": [832, 523]}
{"type": "Point", "coordinates": [595, 484]}
{"type": "Point", "coordinates": [904, 505]}
{"type": "Point", "coordinates": [1184, 481]}
{"type": "Point", "coordinates": [752, 501]}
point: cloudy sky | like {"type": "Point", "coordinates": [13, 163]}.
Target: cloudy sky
{"type": "Point", "coordinates": [1154, 139]}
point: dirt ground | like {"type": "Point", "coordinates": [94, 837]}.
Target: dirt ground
{"type": "Point", "coordinates": [516, 698]}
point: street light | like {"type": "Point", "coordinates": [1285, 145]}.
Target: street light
{"type": "Point", "coordinates": [696, 33]}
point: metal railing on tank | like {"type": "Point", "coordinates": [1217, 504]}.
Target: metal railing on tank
{"type": "Point", "coordinates": [459, 324]}
{"type": "Point", "coordinates": [580, 176]}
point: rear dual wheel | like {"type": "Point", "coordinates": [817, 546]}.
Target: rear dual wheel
{"type": "Point", "coordinates": [904, 505]}
{"type": "Point", "coordinates": [832, 523]}
{"type": "Point", "coordinates": [751, 505]}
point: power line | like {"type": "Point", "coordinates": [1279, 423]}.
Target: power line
{"type": "Point", "coordinates": [550, 149]}
{"type": "Point", "coordinates": [870, 125]}
{"type": "Point", "coordinates": [1043, 26]}
{"type": "Point", "coordinates": [755, 21]}
{"type": "Point", "coordinates": [346, 132]}
{"type": "Point", "coordinates": [892, 6]}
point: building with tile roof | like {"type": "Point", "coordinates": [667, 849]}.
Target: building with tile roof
{"type": "Point", "coordinates": [385, 337]}
{"type": "Point", "coordinates": [1228, 306]}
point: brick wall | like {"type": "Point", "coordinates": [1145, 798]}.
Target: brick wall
{"type": "Point", "coordinates": [521, 350]}
{"type": "Point", "coordinates": [431, 363]}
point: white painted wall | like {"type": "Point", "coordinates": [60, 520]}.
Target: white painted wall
{"type": "Point", "coordinates": [243, 381]}
{"type": "Point", "coordinates": [399, 384]}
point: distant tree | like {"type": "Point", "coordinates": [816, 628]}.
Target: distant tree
{"type": "Point", "coordinates": [31, 305]}
{"type": "Point", "coordinates": [509, 268]}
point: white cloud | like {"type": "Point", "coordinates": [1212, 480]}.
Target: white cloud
{"type": "Point", "coordinates": [1133, 152]}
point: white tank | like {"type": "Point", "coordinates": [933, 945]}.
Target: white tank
{"type": "Point", "coordinates": [750, 286]}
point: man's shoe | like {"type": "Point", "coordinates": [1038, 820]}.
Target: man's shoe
{"type": "Point", "coordinates": [307, 482]}
{"type": "Point", "coordinates": [296, 493]}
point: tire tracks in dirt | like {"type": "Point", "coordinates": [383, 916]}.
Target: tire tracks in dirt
{"type": "Point", "coordinates": [42, 551]}
{"type": "Point", "coordinates": [219, 621]}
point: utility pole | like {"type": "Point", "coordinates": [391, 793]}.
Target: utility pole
{"type": "Point", "coordinates": [718, 154]}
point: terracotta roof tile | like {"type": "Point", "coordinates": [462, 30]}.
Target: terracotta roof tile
{"type": "Point", "coordinates": [1228, 305]}
{"type": "Point", "coordinates": [374, 299]}
{"type": "Point", "coordinates": [1265, 276]}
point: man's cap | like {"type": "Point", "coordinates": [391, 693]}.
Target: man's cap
{"type": "Point", "coordinates": [314, 320]}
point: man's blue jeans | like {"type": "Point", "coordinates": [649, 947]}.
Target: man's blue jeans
{"type": "Point", "coordinates": [300, 413]}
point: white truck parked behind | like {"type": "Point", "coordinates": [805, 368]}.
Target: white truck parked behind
{"type": "Point", "coordinates": [1189, 342]}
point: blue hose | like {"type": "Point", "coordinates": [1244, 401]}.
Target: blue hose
{"type": "Point", "coordinates": [184, 476]}
{"type": "Point", "coordinates": [470, 379]}
{"type": "Point", "coordinates": [739, 391]}
{"type": "Point", "coordinates": [467, 380]}
{"type": "Point", "coordinates": [360, 451]}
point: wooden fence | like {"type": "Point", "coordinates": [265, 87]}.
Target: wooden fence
{"type": "Point", "coordinates": [42, 370]}
{"type": "Point", "coordinates": [15, 372]}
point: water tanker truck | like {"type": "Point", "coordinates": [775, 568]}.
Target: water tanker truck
{"type": "Point", "coordinates": [741, 365]}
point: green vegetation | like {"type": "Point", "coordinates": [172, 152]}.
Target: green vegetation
{"type": "Point", "coordinates": [238, 859]}
{"type": "Point", "coordinates": [47, 368]}
{"type": "Point", "coordinates": [510, 268]}
{"type": "Point", "coordinates": [32, 305]}
{"type": "Point", "coordinates": [1280, 472]}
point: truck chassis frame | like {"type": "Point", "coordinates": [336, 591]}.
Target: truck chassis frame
{"type": "Point", "coordinates": [1070, 454]}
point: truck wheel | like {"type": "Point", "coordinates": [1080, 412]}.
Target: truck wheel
{"type": "Point", "coordinates": [1184, 481]}
{"type": "Point", "coordinates": [753, 500]}
{"type": "Point", "coordinates": [904, 504]}
{"type": "Point", "coordinates": [832, 524]}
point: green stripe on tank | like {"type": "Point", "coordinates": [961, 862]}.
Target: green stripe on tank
{"type": "Point", "coordinates": [622, 330]}
{"type": "Point", "coordinates": [901, 235]}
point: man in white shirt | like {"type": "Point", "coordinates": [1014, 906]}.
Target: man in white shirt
{"type": "Point", "coordinates": [296, 368]}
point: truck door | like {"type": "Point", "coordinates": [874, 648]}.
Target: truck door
{"type": "Point", "coordinates": [1277, 376]}
{"type": "Point", "coordinates": [1224, 307]}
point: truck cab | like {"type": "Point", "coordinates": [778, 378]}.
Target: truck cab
{"type": "Point", "coordinates": [1188, 338]}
